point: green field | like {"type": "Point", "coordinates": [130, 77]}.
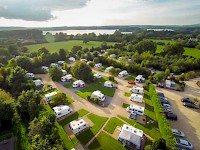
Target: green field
{"type": "Point", "coordinates": [164, 41]}
{"type": "Point", "coordinates": [56, 46]}
{"type": "Point", "coordinates": [105, 142]}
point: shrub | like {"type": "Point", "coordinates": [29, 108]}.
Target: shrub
{"type": "Point", "coordinates": [111, 78]}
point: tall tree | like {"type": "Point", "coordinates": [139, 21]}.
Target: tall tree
{"type": "Point", "coordinates": [55, 73]}
{"type": "Point", "coordinates": [62, 54]}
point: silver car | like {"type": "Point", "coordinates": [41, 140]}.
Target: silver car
{"type": "Point", "coordinates": [183, 144]}
{"type": "Point", "coordinates": [178, 133]}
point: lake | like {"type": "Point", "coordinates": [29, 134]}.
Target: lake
{"type": "Point", "coordinates": [74, 32]}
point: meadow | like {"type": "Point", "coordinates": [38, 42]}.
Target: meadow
{"type": "Point", "coordinates": [67, 45]}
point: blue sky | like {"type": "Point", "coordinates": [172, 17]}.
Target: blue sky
{"type": "Point", "coordinates": [47, 13]}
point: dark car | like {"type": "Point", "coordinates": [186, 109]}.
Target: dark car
{"type": "Point", "coordinates": [190, 105]}
{"type": "Point", "coordinates": [171, 116]}
{"type": "Point", "coordinates": [160, 94]}
{"type": "Point", "coordinates": [187, 100]}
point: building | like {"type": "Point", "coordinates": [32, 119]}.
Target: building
{"type": "Point", "coordinates": [97, 94]}
{"type": "Point", "coordinates": [136, 98]}
{"type": "Point", "coordinates": [62, 110]}
{"type": "Point", "coordinates": [49, 96]}
{"type": "Point", "coordinates": [78, 126]}
{"type": "Point", "coordinates": [78, 83]}
{"type": "Point", "coordinates": [38, 82]}
{"type": "Point", "coordinates": [130, 136]}
{"type": "Point", "coordinates": [66, 78]}
{"type": "Point", "coordinates": [140, 79]}
{"type": "Point", "coordinates": [136, 89]}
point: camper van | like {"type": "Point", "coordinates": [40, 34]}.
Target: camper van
{"type": "Point", "coordinates": [62, 110]}
{"type": "Point", "coordinates": [109, 84]}
{"type": "Point", "coordinates": [123, 74]}
{"type": "Point", "coordinates": [136, 98]}
{"type": "Point", "coordinates": [140, 79]}
{"type": "Point", "coordinates": [136, 109]}
{"type": "Point", "coordinates": [107, 70]}
{"type": "Point", "coordinates": [99, 65]}
{"type": "Point", "coordinates": [38, 82]}
{"type": "Point", "coordinates": [71, 59]}
{"type": "Point", "coordinates": [30, 75]}
{"type": "Point", "coordinates": [64, 72]}
{"type": "Point", "coordinates": [49, 96]}
{"type": "Point", "coordinates": [136, 89]}
{"type": "Point", "coordinates": [78, 83]}
{"type": "Point", "coordinates": [97, 94]}
{"type": "Point", "coordinates": [66, 78]}
{"type": "Point", "coordinates": [78, 126]}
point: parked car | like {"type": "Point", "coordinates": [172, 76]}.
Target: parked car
{"type": "Point", "coordinates": [167, 110]}
{"type": "Point", "coordinates": [183, 144]}
{"type": "Point", "coordinates": [190, 105]}
{"type": "Point", "coordinates": [171, 116]}
{"type": "Point", "coordinates": [161, 94]}
{"type": "Point", "coordinates": [178, 133]}
{"type": "Point", "coordinates": [187, 100]}
{"type": "Point", "coordinates": [132, 82]}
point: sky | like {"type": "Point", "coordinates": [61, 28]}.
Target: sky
{"type": "Point", "coordinates": [50, 13]}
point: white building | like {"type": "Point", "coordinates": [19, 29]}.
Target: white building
{"type": "Point", "coordinates": [123, 74]}
{"type": "Point", "coordinates": [38, 82]}
{"type": "Point", "coordinates": [136, 89]}
{"type": "Point", "coordinates": [64, 72]}
{"type": "Point", "coordinates": [66, 78]}
{"type": "Point", "coordinates": [78, 83]}
{"type": "Point", "coordinates": [136, 98]}
{"type": "Point", "coordinates": [170, 84]}
{"type": "Point", "coordinates": [108, 69]}
{"type": "Point", "coordinates": [30, 75]}
{"type": "Point", "coordinates": [99, 65]}
{"type": "Point", "coordinates": [45, 68]}
{"type": "Point", "coordinates": [61, 62]}
{"type": "Point", "coordinates": [97, 94]}
{"type": "Point", "coordinates": [136, 109]}
{"type": "Point", "coordinates": [108, 84]}
{"type": "Point", "coordinates": [62, 110]}
{"type": "Point", "coordinates": [53, 65]}
{"type": "Point", "coordinates": [131, 136]}
{"type": "Point", "coordinates": [71, 59]}
{"type": "Point", "coordinates": [112, 55]}
{"type": "Point", "coordinates": [140, 79]}
{"type": "Point", "coordinates": [98, 76]}
{"type": "Point", "coordinates": [78, 126]}
{"type": "Point", "coordinates": [49, 96]}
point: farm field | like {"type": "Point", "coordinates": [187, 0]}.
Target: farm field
{"type": "Point", "coordinates": [67, 45]}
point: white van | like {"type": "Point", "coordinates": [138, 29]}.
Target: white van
{"type": "Point", "coordinates": [136, 98]}
{"type": "Point", "coordinates": [62, 110]}
{"type": "Point", "coordinates": [97, 94]}
{"type": "Point", "coordinates": [136, 109]}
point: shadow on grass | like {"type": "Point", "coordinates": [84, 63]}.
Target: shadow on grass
{"type": "Point", "coordinates": [86, 136]}
{"type": "Point", "coordinates": [149, 107]}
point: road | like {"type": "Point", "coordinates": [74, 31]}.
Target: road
{"type": "Point", "coordinates": [188, 119]}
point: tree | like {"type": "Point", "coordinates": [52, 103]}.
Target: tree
{"type": "Point", "coordinates": [29, 103]}
{"type": "Point", "coordinates": [96, 60]}
{"type": "Point", "coordinates": [159, 144]}
{"type": "Point", "coordinates": [86, 39]}
{"type": "Point", "coordinates": [24, 62]}
{"type": "Point", "coordinates": [62, 54]}
{"type": "Point", "coordinates": [18, 81]}
{"type": "Point", "coordinates": [145, 45]}
{"type": "Point", "coordinates": [13, 49]}
{"type": "Point", "coordinates": [55, 73]}
{"type": "Point", "coordinates": [115, 71]}
{"type": "Point", "coordinates": [59, 99]}
{"type": "Point", "coordinates": [75, 49]}
{"type": "Point", "coordinates": [91, 64]}
{"type": "Point", "coordinates": [89, 56]}
{"type": "Point", "coordinates": [82, 71]}
{"type": "Point", "coordinates": [174, 49]}
{"type": "Point", "coordinates": [43, 50]}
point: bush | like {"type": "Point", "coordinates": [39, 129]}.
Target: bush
{"type": "Point", "coordinates": [111, 78]}
{"type": "Point", "coordinates": [95, 100]}
{"type": "Point", "coordinates": [91, 64]}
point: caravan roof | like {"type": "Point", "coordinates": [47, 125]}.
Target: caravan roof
{"type": "Point", "coordinates": [136, 107]}
{"type": "Point", "coordinates": [77, 123]}
{"type": "Point", "coordinates": [60, 108]}
{"type": "Point", "coordinates": [50, 94]}
{"type": "Point", "coordinates": [38, 82]}
{"type": "Point", "coordinates": [136, 95]}
{"type": "Point", "coordinates": [137, 88]}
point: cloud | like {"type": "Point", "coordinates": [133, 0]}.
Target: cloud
{"type": "Point", "coordinates": [36, 10]}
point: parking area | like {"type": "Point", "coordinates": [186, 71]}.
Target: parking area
{"type": "Point", "coordinates": [188, 118]}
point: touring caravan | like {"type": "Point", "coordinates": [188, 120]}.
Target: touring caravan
{"type": "Point", "coordinates": [78, 126]}
{"type": "Point", "coordinates": [97, 94]}
{"type": "Point", "coordinates": [30, 75]}
{"type": "Point", "coordinates": [136, 89]}
{"type": "Point", "coordinates": [62, 110]}
{"type": "Point", "coordinates": [123, 74]}
{"type": "Point", "coordinates": [109, 84]}
{"type": "Point", "coordinates": [99, 65]}
{"type": "Point", "coordinates": [53, 65]}
{"type": "Point", "coordinates": [137, 109]}
{"type": "Point", "coordinates": [136, 98]}
{"type": "Point", "coordinates": [61, 63]}
{"type": "Point", "coordinates": [45, 68]}
{"type": "Point", "coordinates": [78, 83]}
{"type": "Point", "coordinates": [38, 82]}
{"type": "Point", "coordinates": [66, 78]}
{"type": "Point", "coordinates": [108, 69]}
{"type": "Point", "coordinates": [140, 79]}
{"type": "Point", "coordinates": [49, 96]}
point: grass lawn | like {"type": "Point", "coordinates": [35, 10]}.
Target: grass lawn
{"type": "Point", "coordinates": [68, 85]}
{"type": "Point", "coordinates": [130, 78]}
{"type": "Point", "coordinates": [149, 129]}
{"type": "Point", "coordinates": [98, 121]}
{"type": "Point", "coordinates": [127, 94]}
{"type": "Point", "coordinates": [96, 86]}
{"type": "Point", "coordinates": [74, 116]}
{"type": "Point", "coordinates": [164, 41]}
{"type": "Point", "coordinates": [105, 142]}
{"type": "Point", "coordinates": [67, 45]}
{"type": "Point", "coordinates": [125, 105]}
{"type": "Point", "coordinates": [24, 142]}
{"type": "Point", "coordinates": [112, 124]}
{"type": "Point", "coordinates": [194, 52]}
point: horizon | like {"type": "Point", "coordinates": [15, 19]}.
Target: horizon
{"type": "Point", "coordinates": [43, 13]}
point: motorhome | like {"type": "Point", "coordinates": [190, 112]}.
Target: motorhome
{"type": "Point", "coordinates": [78, 126]}
{"type": "Point", "coordinates": [98, 76]}
{"type": "Point", "coordinates": [62, 110]}
{"type": "Point", "coordinates": [137, 109]}
{"type": "Point", "coordinates": [140, 79]}
{"type": "Point", "coordinates": [66, 78]}
{"type": "Point", "coordinates": [123, 74]}
{"type": "Point", "coordinates": [78, 83]}
{"type": "Point", "coordinates": [49, 96]}
{"type": "Point", "coordinates": [61, 63]}
{"type": "Point", "coordinates": [108, 69]}
{"type": "Point", "coordinates": [64, 72]}
{"type": "Point", "coordinates": [97, 94]}
{"type": "Point", "coordinates": [112, 55]}
{"type": "Point", "coordinates": [30, 75]}
{"type": "Point", "coordinates": [136, 98]}
{"type": "Point", "coordinates": [136, 89]}
{"type": "Point", "coordinates": [71, 59]}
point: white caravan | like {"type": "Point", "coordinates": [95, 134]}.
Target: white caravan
{"type": "Point", "coordinates": [64, 72]}
{"type": "Point", "coordinates": [66, 78]}
{"type": "Point", "coordinates": [30, 75]}
{"type": "Point", "coordinates": [97, 94]}
{"type": "Point", "coordinates": [62, 110]}
{"type": "Point", "coordinates": [98, 76]}
{"type": "Point", "coordinates": [53, 65]}
{"type": "Point", "coordinates": [136, 98]}
{"type": "Point", "coordinates": [78, 126]}
{"type": "Point", "coordinates": [78, 83]}
{"type": "Point", "coordinates": [136, 109]}
{"type": "Point", "coordinates": [45, 68]}
{"type": "Point", "coordinates": [71, 59]}
{"type": "Point", "coordinates": [140, 79]}
{"type": "Point", "coordinates": [112, 55]}
{"type": "Point", "coordinates": [123, 74]}
{"type": "Point", "coordinates": [99, 65]}
{"type": "Point", "coordinates": [108, 69]}
{"type": "Point", "coordinates": [49, 96]}
{"type": "Point", "coordinates": [38, 82]}
{"type": "Point", "coordinates": [136, 89]}
{"type": "Point", "coordinates": [61, 62]}
{"type": "Point", "coordinates": [108, 84]}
